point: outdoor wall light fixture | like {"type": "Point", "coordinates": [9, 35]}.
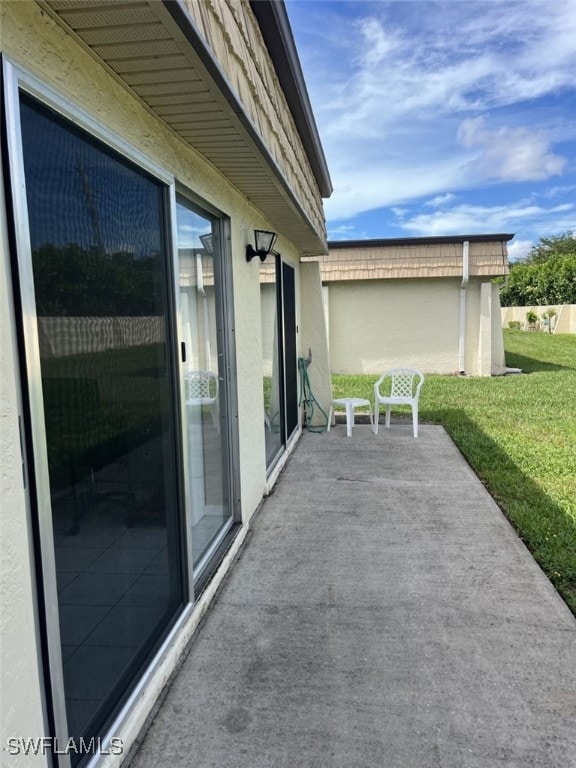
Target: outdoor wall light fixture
{"type": "Point", "coordinates": [264, 244]}
{"type": "Point", "coordinates": [206, 241]}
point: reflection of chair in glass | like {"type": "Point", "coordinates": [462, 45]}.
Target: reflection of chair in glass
{"type": "Point", "coordinates": [404, 389]}
{"type": "Point", "coordinates": [201, 389]}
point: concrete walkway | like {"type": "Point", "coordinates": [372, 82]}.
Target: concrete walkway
{"type": "Point", "coordinates": [383, 615]}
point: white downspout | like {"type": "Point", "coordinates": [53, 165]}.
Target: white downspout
{"type": "Point", "coordinates": [202, 292]}
{"type": "Point", "coordinates": [463, 287]}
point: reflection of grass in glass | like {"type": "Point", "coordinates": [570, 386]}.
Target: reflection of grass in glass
{"type": "Point", "coordinates": [267, 382]}
{"type": "Point", "coordinates": [271, 409]}
{"type": "Point", "coordinates": [99, 406]}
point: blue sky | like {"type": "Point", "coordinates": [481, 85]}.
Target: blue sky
{"type": "Point", "coordinates": [441, 118]}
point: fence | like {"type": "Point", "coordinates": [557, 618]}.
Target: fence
{"type": "Point", "coordinates": [63, 336]}
{"type": "Point", "coordinates": [564, 321]}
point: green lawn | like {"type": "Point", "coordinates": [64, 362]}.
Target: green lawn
{"type": "Point", "coordinates": [519, 435]}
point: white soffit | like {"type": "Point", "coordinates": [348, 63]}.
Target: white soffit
{"type": "Point", "coordinates": [175, 74]}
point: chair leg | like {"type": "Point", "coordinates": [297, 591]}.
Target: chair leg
{"type": "Point", "coordinates": [330, 415]}
{"type": "Point", "coordinates": [415, 419]}
{"type": "Point", "coordinates": [388, 409]}
{"type": "Point", "coordinates": [349, 419]}
{"type": "Point", "coordinates": [376, 416]}
{"type": "Point", "coordinates": [371, 419]}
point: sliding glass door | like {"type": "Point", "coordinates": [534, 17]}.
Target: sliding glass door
{"type": "Point", "coordinates": [100, 355]}
{"type": "Point", "coordinates": [272, 360]}
{"type": "Point", "coordinates": [203, 378]}
{"type": "Point", "coordinates": [280, 372]}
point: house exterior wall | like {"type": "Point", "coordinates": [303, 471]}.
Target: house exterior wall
{"type": "Point", "coordinates": [379, 324]}
{"type": "Point", "coordinates": [314, 337]}
{"type": "Point", "coordinates": [32, 40]}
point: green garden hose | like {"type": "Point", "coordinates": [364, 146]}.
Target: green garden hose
{"type": "Point", "coordinates": [307, 397]}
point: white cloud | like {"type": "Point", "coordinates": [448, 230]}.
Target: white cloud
{"type": "Point", "coordinates": [387, 184]}
{"type": "Point", "coordinates": [398, 96]}
{"type": "Point", "coordinates": [470, 219]}
{"type": "Point", "coordinates": [343, 232]}
{"type": "Point", "coordinates": [440, 200]}
{"type": "Point", "coordinates": [517, 249]}
{"type": "Point", "coordinates": [563, 191]}
{"type": "Point", "coordinates": [510, 154]}
{"type": "Point", "coordinates": [462, 57]}
{"type": "Point", "coordinates": [383, 44]}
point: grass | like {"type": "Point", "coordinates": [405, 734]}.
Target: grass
{"type": "Point", "coordinates": [519, 435]}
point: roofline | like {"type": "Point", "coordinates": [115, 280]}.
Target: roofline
{"type": "Point", "coordinates": [334, 244]}
{"type": "Point", "coordinates": [275, 26]}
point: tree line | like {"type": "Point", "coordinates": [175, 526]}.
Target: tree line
{"type": "Point", "coordinates": [546, 275]}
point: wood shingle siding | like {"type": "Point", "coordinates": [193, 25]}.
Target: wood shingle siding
{"type": "Point", "coordinates": [376, 260]}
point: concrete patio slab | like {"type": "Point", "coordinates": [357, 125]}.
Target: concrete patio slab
{"type": "Point", "coordinates": [384, 613]}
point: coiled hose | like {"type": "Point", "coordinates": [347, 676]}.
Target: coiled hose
{"type": "Point", "coordinates": [307, 397]}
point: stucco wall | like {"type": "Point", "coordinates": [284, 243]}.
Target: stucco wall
{"type": "Point", "coordinates": [315, 338]}
{"type": "Point", "coordinates": [498, 354]}
{"type": "Point", "coordinates": [379, 324]}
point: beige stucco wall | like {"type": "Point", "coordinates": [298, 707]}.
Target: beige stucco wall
{"type": "Point", "coordinates": [314, 337]}
{"type": "Point", "coordinates": [484, 343]}
{"type": "Point", "coordinates": [563, 322]}
{"type": "Point", "coordinates": [379, 324]}
{"type": "Point", "coordinates": [498, 354]}
{"type": "Point", "coordinates": [34, 41]}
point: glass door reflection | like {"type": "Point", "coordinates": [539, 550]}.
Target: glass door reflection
{"type": "Point", "coordinates": [97, 231]}
{"type": "Point", "coordinates": [203, 381]}
{"type": "Point", "coordinates": [271, 360]}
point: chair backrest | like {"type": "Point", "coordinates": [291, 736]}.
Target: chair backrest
{"type": "Point", "coordinates": [405, 382]}
{"type": "Point", "coordinates": [201, 385]}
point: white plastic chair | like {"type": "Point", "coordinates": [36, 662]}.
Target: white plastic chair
{"type": "Point", "coordinates": [201, 388]}
{"type": "Point", "coordinates": [404, 390]}
{"type": "Point", "coordinates": [349, 404]}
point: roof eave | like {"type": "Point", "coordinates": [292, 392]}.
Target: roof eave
{"type": "Point", "coordinates": [491, 238]}
{"type": "Point", "coordinates": [248, 163]}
